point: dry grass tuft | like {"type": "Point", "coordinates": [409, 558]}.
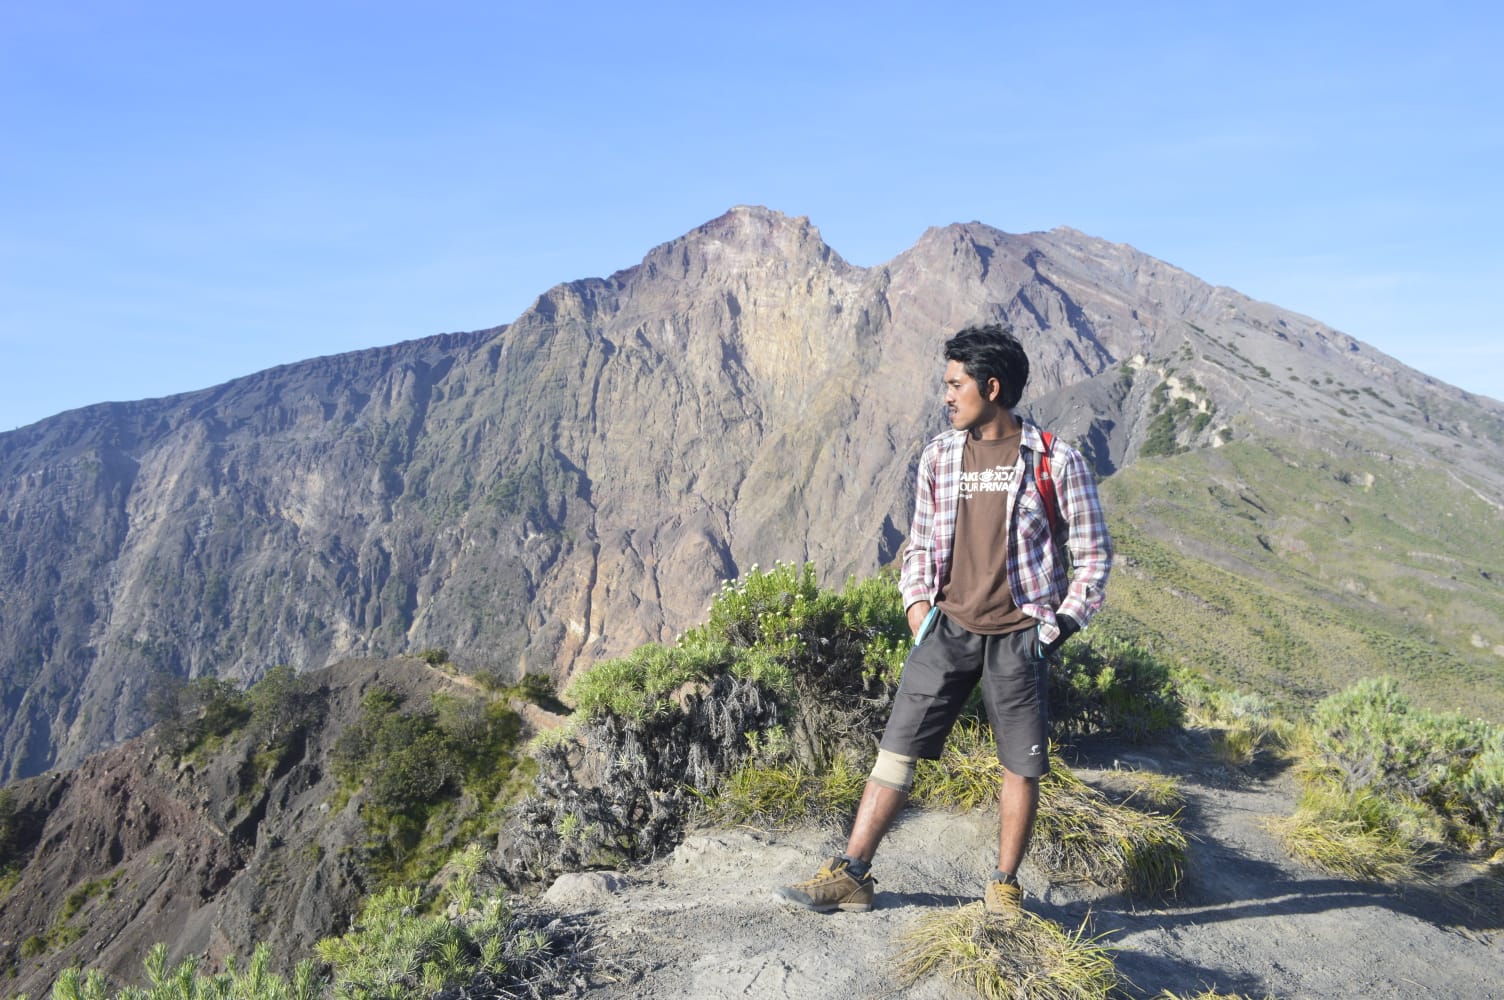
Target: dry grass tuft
{"type": "Point", "coordinates": [1030, 958]}
{"type": "Point", "coordinates": [1241, 726]}
{"type": "Point", "coordinates": [1079, 834]}
{"type": "Point", "coordinates": [783, 796]}
{"type": "Point", "coordinates": [967, 775]}
{"type": "Point", "coordinates": [1236, 746]}
{"type": "Point", "coordinates": [1146, 790]}
{"type": "Point", "coordinates": [1352, 835]}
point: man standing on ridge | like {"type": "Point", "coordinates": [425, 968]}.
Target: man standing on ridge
{"type": "Point", "coordinates": [988, 598]}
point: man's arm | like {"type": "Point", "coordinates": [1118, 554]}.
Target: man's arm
{"type": "Point", "coordinates": [917, 579]}
{"type": "Point", "coordinates": [917, 612]}
{"type": "Point", "coordinates": [1087, 538]}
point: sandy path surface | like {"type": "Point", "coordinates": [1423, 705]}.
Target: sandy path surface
{"type": "Point", "coordinates": [705, 923]}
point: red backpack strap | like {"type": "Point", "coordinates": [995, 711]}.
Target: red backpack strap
{"type": "Point", "coordinates": [1045, 483]}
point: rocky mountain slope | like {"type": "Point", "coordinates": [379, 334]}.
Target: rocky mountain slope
{"type": "Point", "coordinates": [539, 495]}
{"type": "Point", "coordinates": [209, 855]}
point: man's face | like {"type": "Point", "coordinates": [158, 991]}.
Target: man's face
{"type": "Point", "coordinates": [965, 401]}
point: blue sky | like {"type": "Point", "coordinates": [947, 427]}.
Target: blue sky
{"type": "Point", "coordinates": [193, 192]}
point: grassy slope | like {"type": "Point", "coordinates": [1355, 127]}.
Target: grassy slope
{"type": "Point", "coordinates": [1295, 572]}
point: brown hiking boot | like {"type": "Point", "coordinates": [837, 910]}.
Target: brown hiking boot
{"type": "Point", "coordinates": [1005, 900]}
{"type": "Point", "coordinates": [834, 888]}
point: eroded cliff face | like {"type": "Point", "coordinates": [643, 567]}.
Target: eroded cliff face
{"type": "Point", "coordinates": [537, 496]}
{"type": "Point", "coordinates": [209, 855]}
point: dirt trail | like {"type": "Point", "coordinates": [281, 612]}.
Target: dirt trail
{"type": "Point", "coordinates": [705, 923]}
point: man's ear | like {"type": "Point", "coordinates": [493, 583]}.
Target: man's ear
{"type": "Point", "coordinates": [994, 390]}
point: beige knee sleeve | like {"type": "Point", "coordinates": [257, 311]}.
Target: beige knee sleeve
{"type": "Point", "coordinates": [894, 770]}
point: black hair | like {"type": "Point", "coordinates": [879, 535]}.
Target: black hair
{"type": "Point", "coordinates": [988, 352]}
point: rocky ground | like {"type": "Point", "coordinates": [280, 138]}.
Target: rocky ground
{"type": "Point", "coordinates": [705, 922]}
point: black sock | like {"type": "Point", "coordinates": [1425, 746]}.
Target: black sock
{"type": "Point", "coordinates": [1007, 878]}
{"type": "Point", "coordinates": [857, 868]}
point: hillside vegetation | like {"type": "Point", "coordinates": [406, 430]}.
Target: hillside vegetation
{"type": "Point", "coordinates": [786, 682]}
{"type": "Point", "coordinates": [733, 724]}
{"type": "Point", "coordinates": [1295, 572]}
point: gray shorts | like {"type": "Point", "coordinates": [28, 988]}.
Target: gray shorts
{"type": "Point", "coordinates": [941, 673]}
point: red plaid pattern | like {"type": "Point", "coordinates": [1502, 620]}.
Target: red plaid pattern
{"type": "Point", "coordinates": [1036, 573]}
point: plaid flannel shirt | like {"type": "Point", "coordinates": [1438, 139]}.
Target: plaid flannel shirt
{"type": "Point", "coordinates": [1036, 572]}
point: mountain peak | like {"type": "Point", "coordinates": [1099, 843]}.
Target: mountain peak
{"type": "Point", "coordinates": [746, 237]}
{"type": "Point", "coordinates": [761, 230]}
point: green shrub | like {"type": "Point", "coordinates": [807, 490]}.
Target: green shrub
{"type": "Point", "coordinates": [1160, 439]}
{"type": "Point", "coordinates": [10, 831]}
{"type": "Point", "coordinates": [282, 705]}
{"type": "Point", "coordinates": [1107, 685]}
{"type": "Point", "coordinates": [640, 684]}
{"type": "Point", "coordinates": [848, 640]}
{"type": "Point", "coordinates": [1369, 738]}
{"type": "Point", "coordinates": [394, 951]}
{"type": "Point", "coordinates": [418, 767]}
{"type": "Point", "coordinates": [779, 630]}
{"type": "Point", "coordinates": [398, 948]}
{"type": "Point", "coordinates": [402, 759]}
{"type": "Point", "coordinates": [409, 759]}
{"type": "Point", "coordinates": [538, 689]}
{"type": "Point", "coordinates": [842, 652]}
{"type": "Point", "coordinates": [190, 716]}
{"type": "Point", "coordinates": [255, 982]}
{"type": "Point", "coordinates": [1480, 791]}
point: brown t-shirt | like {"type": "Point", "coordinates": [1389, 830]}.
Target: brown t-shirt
{"type": "Point", "coordinates": [975, 593]}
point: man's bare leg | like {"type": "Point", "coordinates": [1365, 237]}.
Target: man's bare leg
{"type": "Point", "coordinates": [1017, 805]}
{"type": "Point", "coordinates": [880, 806]}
